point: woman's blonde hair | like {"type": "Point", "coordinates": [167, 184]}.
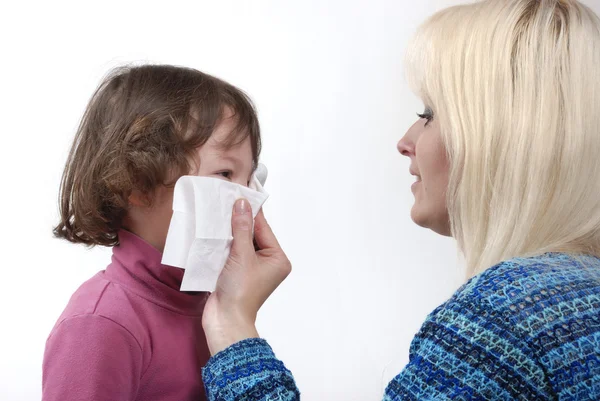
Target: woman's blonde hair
{"type": "Point", "coordinates": [515, 85]}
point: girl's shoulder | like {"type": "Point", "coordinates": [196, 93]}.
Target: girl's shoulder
{"type": "Point", "coordinates": [100, 300]}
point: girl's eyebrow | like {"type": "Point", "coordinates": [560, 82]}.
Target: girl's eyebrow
{"type": "Point", "coordinates": [232, 159]}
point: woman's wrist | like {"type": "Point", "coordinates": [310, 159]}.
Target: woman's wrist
{"type": "Point", "coordinates": [222, 333]}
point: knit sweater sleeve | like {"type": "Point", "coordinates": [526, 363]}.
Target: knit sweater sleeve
{"type": "Point", "coordinates": [467, 350]}
{"type": "Point", "coordinates": [248, 371]}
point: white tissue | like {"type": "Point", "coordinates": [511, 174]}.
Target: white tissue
{"type": "Point", "coordinates": [200, 237]}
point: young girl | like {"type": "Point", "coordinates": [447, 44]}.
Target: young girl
{"type": "Point", "coordinates": [128, 333]}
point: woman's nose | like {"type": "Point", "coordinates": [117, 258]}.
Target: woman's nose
{"type": "Point", "coordinates": [405, 147]}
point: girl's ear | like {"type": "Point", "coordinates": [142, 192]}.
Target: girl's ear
{"type": "Point", "coordinates": [138, 198]}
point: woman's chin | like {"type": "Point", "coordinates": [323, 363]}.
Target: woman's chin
{"type": "Point", "coordinates": [438, 223]}
{"type": "Point", "coordinates": [417, 216]}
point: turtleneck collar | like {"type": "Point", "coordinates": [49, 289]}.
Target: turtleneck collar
{"type": "Point", "coordinates": [137, 266]}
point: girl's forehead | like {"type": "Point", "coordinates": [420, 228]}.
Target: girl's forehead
{"type": "Point", "coordinates": [239, 154]}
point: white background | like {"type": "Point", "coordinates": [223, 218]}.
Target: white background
{"type": "Point", "coordinates": [327, 79]}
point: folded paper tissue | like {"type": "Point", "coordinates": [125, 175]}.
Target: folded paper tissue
{"type": "Point", "coordinates": [199, 237]}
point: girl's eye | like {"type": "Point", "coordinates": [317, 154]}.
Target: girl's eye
{"type": "Point", "coordinates": [427, 115]}
{"type": "Point", "coordinates": [225, 174]}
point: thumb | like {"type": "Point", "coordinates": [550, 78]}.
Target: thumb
{"type": "Point", "coordinates": [241, 227]}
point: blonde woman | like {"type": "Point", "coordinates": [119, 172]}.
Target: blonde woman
{"type": "Point", "coordinates": [506, 159]}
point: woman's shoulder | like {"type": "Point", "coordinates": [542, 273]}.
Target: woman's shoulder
{"type": "Point", "coordinates": [523, 326]}
{"type": "Point", "coordinates": [528, 296]}
{"type": "Point", "coordinates": [522, 284]}
{"type": "Point", "coordinates": [548, 300]}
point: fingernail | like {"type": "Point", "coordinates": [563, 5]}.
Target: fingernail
{"type": "Point", "coordinates": [241, 206]}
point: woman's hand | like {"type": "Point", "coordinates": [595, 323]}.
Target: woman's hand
{"type": "Point", "coordinates": [247, 280]}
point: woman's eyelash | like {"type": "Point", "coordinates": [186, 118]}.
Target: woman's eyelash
{"type": "Point", "coordinates": [427, 115]}
{"type": "Point", "coordinates": [226, 174]}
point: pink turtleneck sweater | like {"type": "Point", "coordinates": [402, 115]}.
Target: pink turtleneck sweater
{"type": "Point", "coordinates": [128, 334]}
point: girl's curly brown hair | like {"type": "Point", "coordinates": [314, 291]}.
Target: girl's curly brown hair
{"type": "Point", "coordinates": [140, 130]}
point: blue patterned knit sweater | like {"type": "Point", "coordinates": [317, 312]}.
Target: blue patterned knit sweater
{"type": "Point", "coordinates": [526, 329]}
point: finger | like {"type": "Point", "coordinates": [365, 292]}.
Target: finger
{"type": "Point", "coordinates": [241, 227]}
{"type": "Point", "coordinates": [263, 234]}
